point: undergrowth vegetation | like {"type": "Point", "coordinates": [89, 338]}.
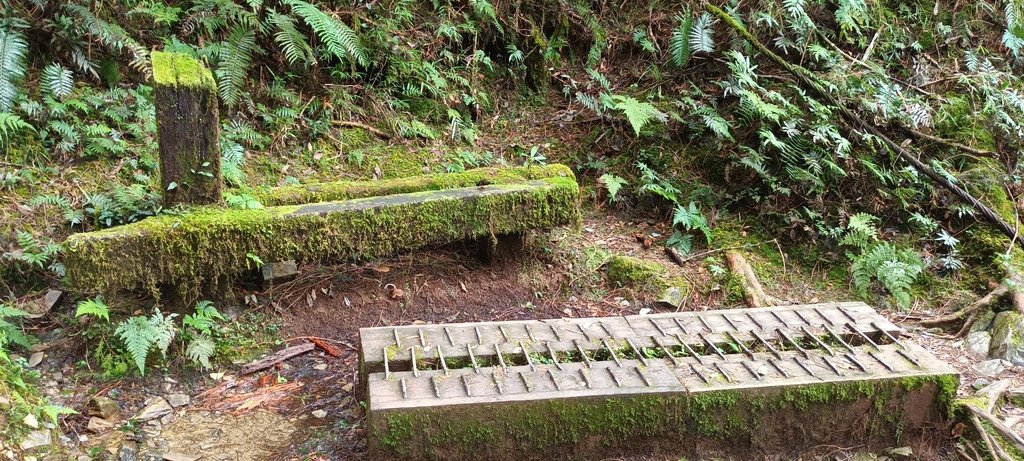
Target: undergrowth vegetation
{"type": "Point", "coordinates": [659, 106]}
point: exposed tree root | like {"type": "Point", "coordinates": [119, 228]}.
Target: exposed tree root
{"type": "Point", "coordinates": [753, 292]}
{"type": "Point", "coordinates": [997, 437]}
{"type": "Point", "coordinates": [968, 313]}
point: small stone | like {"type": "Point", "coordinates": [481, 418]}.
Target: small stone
{"type": "Point", "coordinates": [989, 367]}
{"type": "Point", "coordinates": [978, 343]}
{"type": "Point", "coordinates": [103, 407]}
{"type": "Point", "coordinates": [179, 400]}
{"type": "Point", "coordinates": [35, 359]}
{"type": "Point", "coordinates": [58, 376]}
{"type": "Point", "coordinates": [319, 414]}
{"type": "Point", "coordinates": [320, 366]}
{"type": "Point", "coordinates": [84, 458]}
{"type": "Point", "coordinates": [127, 451]}
{"type": "Point", "coordinates": [672, 298]}
{"type": "Point", "coordinates": [99, 425]}
{"type": "Point", "coordinates": [645, 311]}
{"type": "Point", "coordinates": [43, 305]}
{"type": "Point", "coordinates": [279, 271]}
{"type": "Point", "coordinates": [347, 387]}
{"type": "Point", "coordinates": [166, 419]}
{"type": "Point", "coordinates": [31, 421]}
{"type": "Point", "coordinates": [5, 403]}
{"type": "Point", "coordinates": [156, 407]}
{"type": "Point", "coordinates": [980, 383]}
{"type": "Point", "coordinates": [175, 456]}
{"type": "Point", "coordinates": [36, 439]}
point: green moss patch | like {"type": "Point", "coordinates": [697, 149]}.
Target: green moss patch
{"type": "Point", "coordinates": [346, 190]}
{"type": "Point", "coordinates": [178, 69]}
{"type": "Point", "coordinates": [199, 246]}
{"type": "Point", "coordinates": [630, 271]}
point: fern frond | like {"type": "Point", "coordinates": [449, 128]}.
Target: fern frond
{"type": "Point", "coordinates": [701, 39]}
{"type": "Point", "coordinates": [679, 45]}
{"type": "Point", "coordinates": [57, 81]}
{"type": "Point", "coordinates": [639, 114]}
{"type": "Point", "coordinates": [339, 39]}
{"type": "Point", "coordinates": [291, 40]}
{"type": "Point", "coordinates": [200, 349]}
{"type": "Point", "coordinates": [137, 335]}
{"type": "Point", "coordinates": [13, 48]}
{"type": "Point", "coordinates": [94, 307]}
{"type": "Point", "coordinates": [10, 125]}
{"type": "Point", "coordinates": [235, 60]}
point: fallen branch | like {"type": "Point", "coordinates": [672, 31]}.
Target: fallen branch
{"type": "Point", "coordinates": [949, 143]}
{"type": "Point", "coordinates": [970, 310]}
{"type": "Point", "coordinates": [278, 357]}
{"type": "Point", "coordinates": [811, 81]}
{"type": "Point", "coordinates": [351, 124]}
{"type": "Point", "coordinates": [674, 254]}
{"type": "Point", "coordinates": [753, 292]}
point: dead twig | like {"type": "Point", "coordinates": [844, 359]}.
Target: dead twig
{"type": "Point", "coordinates": [352, 124]}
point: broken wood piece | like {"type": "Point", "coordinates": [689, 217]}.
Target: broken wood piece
{"type": "Point", "coordinates": [327, 347]}
{"type": "Point", "coordinates": [278, 357]}
{"type": "Point", "coordinates": [351, 124]}
{"type": "Point", "coordinates": [675, 255]}
{"type": "Point", "coordinates": [753, 293]}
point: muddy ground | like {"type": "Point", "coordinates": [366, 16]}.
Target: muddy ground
{"type": "Point", "coordinates": [305, 408]}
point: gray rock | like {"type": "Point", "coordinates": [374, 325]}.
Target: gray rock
{"type": "Point", "coordinates": [672, 298]}
{"type": "Point", "coordinates": [99, 425]}
{"type": "Point", "coordinates": [1008, 337]}
{"type": "Point", "coordinates": [179, 400]}
{"type": "Point", "coordinates": [34, 439]}
{"type": "Point", "coordinates": [319, 414]}
{"type": "Point", "coordinates": [128, 451]}
{"type": "Point", "coordinates": [980, 383]}
{"type": "Point", "coordinates": [156, 407]}
{"type": "Point", "coordinates": [989, 367]}
{"type": "Point", "coordinates": [43, 305]}
{"type": "Point", "coordinates": [35, 359]}
{"type": "Point", "coordinates": [978, 343]}
{"type": "Point", "coordinates": [984, 321]}
{"type": "Point", "coordinates": [5, 403]}
{"type": "Point", "coordinates": [279, 271]}
{"type": "Point", "coordinates": [103, 407]}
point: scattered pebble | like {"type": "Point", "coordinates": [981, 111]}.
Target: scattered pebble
{"type": "Point", "coordinates": [319, 414]}
{"type": "Point", "coordinates": [35, 359]}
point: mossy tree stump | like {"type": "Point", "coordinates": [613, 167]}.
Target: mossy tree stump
{"type": "Point", "coordinates": [188, 130]}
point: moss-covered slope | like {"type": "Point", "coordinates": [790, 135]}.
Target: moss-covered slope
{"type": "Point", "coordinates": [188, 249]}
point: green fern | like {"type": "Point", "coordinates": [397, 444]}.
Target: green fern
{"type": "Point", "coordinates": [10, 125]}
{"type": "Point", "coordinates": [613, 184]}
{"type": "Point", "coordinates": [679, 45]}
{"type": "Point", "coordinates": [896, 270]}
{"type": "Point", "coordinates": [13, 49]}
{"type": "Point", "coordinates": [292, 41]}
{"type": "Point", "coordinates": [860, 231]}
{"type": "Point", "coordinates": [93, 307]}
{"type": "Point", "coordinates": [140, 335]}
{"type": "Point", "coordinates": [339, 39]}
{"type": "Point", "coordinates": [200, 349]}
{"type": "Point", "coordinates": [235, 59]}
{"type": "Point", "coordinates": [57, 81]}
{"type": "Point", "coordinates": [639, 114]}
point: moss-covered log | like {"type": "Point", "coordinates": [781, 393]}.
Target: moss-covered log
{"type": "Point", "coordinates": [188, 129]}
{"type": "Point", "coordinates": [187, 249]}
{"type": "Point", "coordinates": [346, 190]}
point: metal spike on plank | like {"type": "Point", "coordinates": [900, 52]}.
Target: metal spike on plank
{"type": "Point", "coordinates": [656, 326]}
{"type": "Point", "coordinates": [718, 366]}
{"type": "Point", "coordinates": [526, 353]}
{"type": "Point", "coordinates": [398, 340]}
{"type": "Point", "coordinates": [437, 389]}
{"type": "Point", "coordinates": [529, 332]}
{"type": "Point", "coordinates": [479, 337]}
{"type": "Point", "coordinates": [497, 383]}
{"type": "Point", "coordinates": [504, 334]}
{"type": "Point", "coordinates": [742, 346]}
{"type": "Point", "coordinates": [803, 351]}
{"type": "Point", "coordinates": [637, 351]}
{"type": "Point", "coordinates": [657, 342]}
{"type": "Point", "coordinates": [554, 330]}
{"type": "Point", "coordinates": [643, 376]}
{"type": "Point", "coordinates": [387, 369]}
{"type": "Point", "coordinates": [465, 384]}
{"type": "Point", "coordinates": [611, 352]}
{"type": "Point", "coordinates": [680, 325]}
{"type": "Point", "coordinates": [752, 371]}
{"type": "Point", "coordinates": [405, 389]}
{"type": "Point", "coordinates": [423, 341]}
{"type": "Point", "coordinates": [583, 353]}
{"type": "Point", "coordinates": [586, 378]}
{"type": "Point", "coordinates": [444, 364]}
{"type": "Point", "coordinates": [554, 357]}
{"type": "Point", "coordinates": [551, 374]}
{"type": "Point", "coordinates": [712, 345]}
{"type": "Point", "coordinates": [699, 374]}
{"type": "Point", "coordinates": [614, 378]}
{"type": "Point", "coordinates": [448, 333]}
{"type": "Point", "coordinates": [818, 340]}
{"type": "Point", "coordinates": [412, 357]}
{"type": "Point", "coordinates": [472, 358]}
{"type": "Point", "coordinates": [584, 331]}
{"type": "Point", "coordinates": [501, 357]}
{"type": "Point", "coordinates": [730, 322]}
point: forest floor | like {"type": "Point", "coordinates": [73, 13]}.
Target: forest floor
{"type": "Point", "coordinates": [305, 408]}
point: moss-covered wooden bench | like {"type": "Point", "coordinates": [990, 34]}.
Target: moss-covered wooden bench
{"type": "Point", "coordinates": [328, 221]}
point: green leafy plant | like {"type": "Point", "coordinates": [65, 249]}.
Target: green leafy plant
{"type": "Point", "coordinates": [141, 335]}
{"type": "Point", "coordinates": [93, 308]}
{"type": "Point", "coordinates": [199, 329]}
{"type": "Point", "coordinates": [895, 269]}
{"type": "Point", "coordinates": [613, 184]}
{"type": "Point", "coordinates": [11, 331]}
{"type": "Point", "coordinates": [639, 114]}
